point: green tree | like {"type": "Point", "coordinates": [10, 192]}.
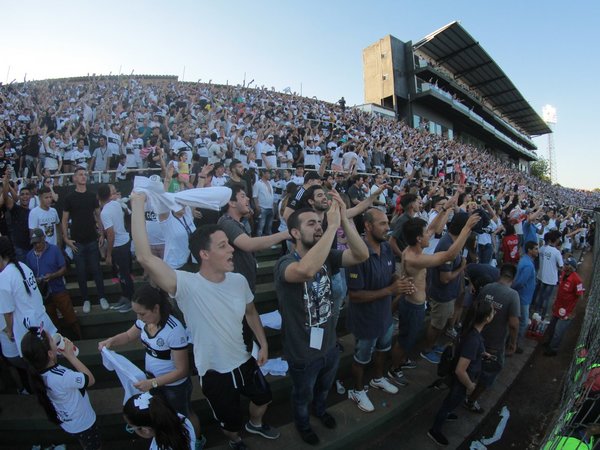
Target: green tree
{"type": "Point", "coordinates": [540, 169]}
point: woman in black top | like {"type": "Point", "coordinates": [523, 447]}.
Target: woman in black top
{"type": "Point", "coordinates": [471, 350]}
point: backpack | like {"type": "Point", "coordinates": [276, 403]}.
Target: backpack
{"type": "Point", "coordinates": [449, 359]}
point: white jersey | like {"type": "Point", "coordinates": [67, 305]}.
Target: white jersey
{"type": "Point", "coordinates": [214, 313]}
{"type": "Point", "coordinates": [312, 156]}
{"type": "Point", "coordinates": [177, 233]}
{"type": "Point", "coordinates": [80, 158]}
{"type": "Point", "coordinates": [188, 427]}
{"type": "Point", "coordinates": [66, 391]}
{"type": "Point", "coordinates": [159, 355]}
{"type": "Point", "coordinates": [28, 309]}
{"type": "Point", "coordinates": [46, 220]}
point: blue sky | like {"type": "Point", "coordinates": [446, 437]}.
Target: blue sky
{"type": "Point", "coordinates": [548, 49]}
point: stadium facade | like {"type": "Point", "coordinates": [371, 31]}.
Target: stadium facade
{"type": "Point", "coordinates": [448, 83]}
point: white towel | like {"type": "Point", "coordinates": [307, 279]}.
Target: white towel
{"type": "Point", "coordinates": [276, 367]}
{"type": "Point", "coordinates": [128, 373]}
{"type": "Point", "coordinates": [162, 202]}
{"type": "Point", "coordinates": [271, 319]}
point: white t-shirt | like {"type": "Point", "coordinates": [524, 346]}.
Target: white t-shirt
{"type": "Point", "coordinates": [188, 427]}
{"type": "Point", "coordinates": [28, 309]}
{"type": "Point", "coordinates": [177, 233]}
{"type": "Point", "coordinates": [264, 193]}
{"type": "Point", "coordinates": [66, 391]}
{"type": "Point", "coordinates": [550, 262]}
{"type": "Point", "coordinates": [112, 217]}
{"type": "Point", "coordinates": [213, 313]}
{"type": "Point", "coordinates": [46, 220]}
{"type": "Point", "coordinates": [159, 357]}
{"type": "Point", "coordinates": [9, 348]}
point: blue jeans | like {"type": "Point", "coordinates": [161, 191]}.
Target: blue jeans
{"type": "Point", "coordinates": [121, 261]}
{"type": "Point", "coordinates": [457, 395]}
{"type": "Point", "coordinates": [311, 382]}
{"type": "Point", "coordinates": [265, 222]}
{"type": "Point", "coordinates": [542, 300]}
{"type": "Point", "coordinates": [485, 252]}
{"type": "Point", "coordinates": [88, 257]}
{"type": "Point", "coordinates": [523, 320]}
{"type": "Point", "coordinates": [556, 331]}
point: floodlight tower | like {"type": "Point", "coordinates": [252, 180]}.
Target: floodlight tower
{"type": "Point", "coordinates": [549, 116]}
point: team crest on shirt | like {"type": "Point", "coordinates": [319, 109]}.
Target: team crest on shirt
{"type": "Point", "coordinates": [160, 342]}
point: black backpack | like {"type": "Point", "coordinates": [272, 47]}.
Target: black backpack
{"type": "Point", "coordinates": [449, 359]}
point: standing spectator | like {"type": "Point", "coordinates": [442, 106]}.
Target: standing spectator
{"type": "Point", "coordinates": [244, 246]}
{"type": "Point", "coordinates": [381, 201]}
{"type": "Point", "coordinates": [45, 217]}
{"type": "Point", "coordinates": [269, 153]}
{"type": "Point", "coordinates": [213, 302]}
{"type": "Point", "coordinates": [570, 291]}
{"type": "Point", "coordinates": [100, 158]}
{"type": "Point", "coordinates": [83, 211]}
{"type": "Point", "coordinates": [304, 289]}
{"type": "Point", "coordinates": [371, 286]}
{"type": "Point", "coordinates": [464, 379]}
{"type": "Point", "coordinates": [60, 390]}
{"type": "Point", "coordinates": [524, 284]}
{"type": "Point", "coordinates": [505, 302]}
{"type": "Point", "coordinates": [263, 203]}
{"type": "Point", "coordinates": [444, 288]}
{"type": "Point", "coordinates": [80, 156]}
{"type": "Point", "coordinates": [510, 245]}
{"type": "Point", "coordinates": [49, 267]}
{"type": "Point", "coordinates": [411, 204]}
{"type": "Point", "coordinates": [551, 262]}
{"type": "Point", "coordinates": [118, 253]}
{"type": "Point", "coordinates": [19, 216]}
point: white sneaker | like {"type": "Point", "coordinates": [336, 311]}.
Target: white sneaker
{"type": "Point", "coordinates": [384, 385]}
{"type": "Point", "coordinates": [361, 399]}
{"type": "Point", "coordinates": [87, 307]}
{"type": "Point", "coordinates": [104, 304]}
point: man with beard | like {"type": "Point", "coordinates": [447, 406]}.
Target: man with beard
{"type": "Point", "coordinates": [304, 289]}
{"type": "Point", "coordinates": [372, 285]}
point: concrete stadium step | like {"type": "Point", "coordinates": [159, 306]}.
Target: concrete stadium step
{"type": "Point", "coordinates": [22, 414]}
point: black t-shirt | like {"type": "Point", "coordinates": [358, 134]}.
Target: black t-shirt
{"type": "Point", "coordinates": [243, 262]}
{"type": "Point", "coordinates": [19, 226]}
{"type": "Point", "coordinates": [471, 348]}
{"type": "Point", "coordinates": [81, 207]}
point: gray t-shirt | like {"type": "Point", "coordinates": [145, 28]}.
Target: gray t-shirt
{"type": "Point", "coordinates": [243, 262]}
{"type": "Point", "coordinates": [306, 305]}
{"type": "Point", "coordinates": [506, 303]}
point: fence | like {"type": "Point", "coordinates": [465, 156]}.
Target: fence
{"type": "Point", "coordinates": [579, 412]}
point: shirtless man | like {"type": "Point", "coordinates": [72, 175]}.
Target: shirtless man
{"type": "Point", "coordinates": [411, 308]}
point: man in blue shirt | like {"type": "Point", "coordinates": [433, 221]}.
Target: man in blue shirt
{"type": "Point", "coordinates": [48, 265]}
{"type": "Point", "coordinates": [524, 284]}
{"type": "Point", "coordinates": [372, 285]}
{"type": "Point", "coordinates": [530, 231]}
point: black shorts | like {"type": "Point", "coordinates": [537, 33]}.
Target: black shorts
{"type": "Point", "coordinates": [222, 390]}
{"type": "Point", "coordinates": [90, 439]}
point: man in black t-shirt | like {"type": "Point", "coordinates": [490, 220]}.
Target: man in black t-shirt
{"type": "Point", "coordinates": [19, 218]}
{"type": "Point", "coordinates": [83, 209]}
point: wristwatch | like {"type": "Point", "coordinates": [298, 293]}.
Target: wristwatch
{"type": "Point", "coordinates": [154, 383]}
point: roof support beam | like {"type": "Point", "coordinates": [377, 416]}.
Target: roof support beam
{"type": "Point", "coordinates": [449, 56]}
{"type": "Point", "coordinates": [491, 80]}
{"type": "Point", "coordinates": [496, 94]}
{"type": "Point", "coordinates": [500, 105]}
{"type": "Point", "coordinates": [472, 69]}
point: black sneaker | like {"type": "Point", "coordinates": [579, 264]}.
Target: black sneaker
{"type": "Point", "coordinates": [437, 437]}
{"type": "Point", "coordinates": [239, 445]}
{"type": "Point", "coordinates": [264, 430]}
{"type": "Point", "coordinates": [473, 406]}
{"type": "Point", "coordinates": [409, 364]}
{"type": "Point", "coordinates": [328, 421]}
{"type": "Point", "coordinates": [451, 417]}
{"type": "Point", "coordinates": [309, 436]}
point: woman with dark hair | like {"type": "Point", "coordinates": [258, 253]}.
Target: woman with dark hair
{"type": "Point", "coordinates": [20, 299]}
{"type": "Point", "coordinates": [152, 418]}
{"type": "Point", "coordinates": [61, 391]}
{"type": "Point", "coordinates": [470, 350]}
{"type": "Point", "coordinates": [165, 340]}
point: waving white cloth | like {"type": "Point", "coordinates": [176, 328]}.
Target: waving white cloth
{"type": "Point", "coordinates": [128, 373]}
{"type": "Point", "coordinates": [162, 202]}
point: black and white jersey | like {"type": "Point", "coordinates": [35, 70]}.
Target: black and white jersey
{"type": "Point", "coordinates": [66, 391]}
{"type": "Point", "coordinates": [159, 355]}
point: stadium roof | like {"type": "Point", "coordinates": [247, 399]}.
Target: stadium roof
{"type": "Point", "coordinates": [456, 50]}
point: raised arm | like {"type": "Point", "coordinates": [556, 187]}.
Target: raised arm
{"type": "Point", "coordinates": [163, 275]}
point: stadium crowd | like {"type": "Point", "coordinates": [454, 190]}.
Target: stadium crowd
{"type": "Point", "coordinates": [392, 222]}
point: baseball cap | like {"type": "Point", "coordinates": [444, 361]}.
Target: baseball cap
{"type": "Point", "coordinates": [571, 262]}
{"type": "Point", "coordinates": [37, 235]}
